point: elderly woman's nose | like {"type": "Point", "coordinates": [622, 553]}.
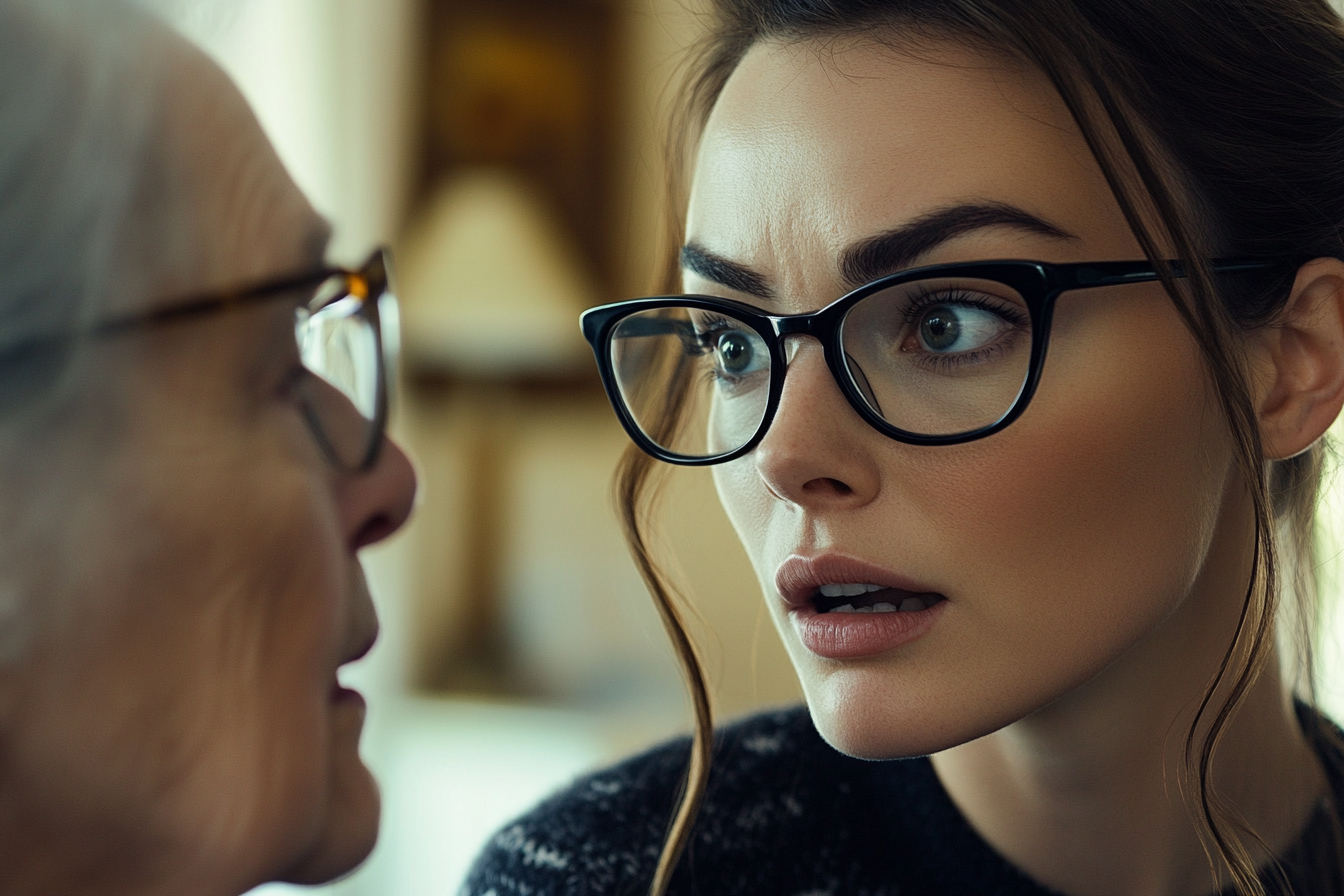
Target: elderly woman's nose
{"type": "Point", "coordinates": [377, 502]}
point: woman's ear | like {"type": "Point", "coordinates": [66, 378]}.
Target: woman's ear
{"type": "Point", "coordinates": [1299, 362]}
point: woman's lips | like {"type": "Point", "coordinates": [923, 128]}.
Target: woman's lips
{"type": "Point", "coordinates": [888, 612]}
{"type": "Point", "coordinates": [847, 636]}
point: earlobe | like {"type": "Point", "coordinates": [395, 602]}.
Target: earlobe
{"type": "Point", "coordinates": [1299, 380]}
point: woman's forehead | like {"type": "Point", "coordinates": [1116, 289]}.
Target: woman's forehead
{"type": "Point", "coordinates": [813, 146]}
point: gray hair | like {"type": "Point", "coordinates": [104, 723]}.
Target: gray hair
{"type": "Point", "coordinates": [77, 88]}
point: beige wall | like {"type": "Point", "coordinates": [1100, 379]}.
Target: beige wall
{"type": "Point", "coordinates": [574, 605]}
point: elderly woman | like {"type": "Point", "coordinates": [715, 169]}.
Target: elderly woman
{"type": "Point", "coordinates": [184, 484]}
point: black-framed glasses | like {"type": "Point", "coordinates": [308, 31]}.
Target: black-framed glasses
{"type": "Point", "coordinates": [346, 325]}
{"type": "Point", "coordinates": [936, 355]}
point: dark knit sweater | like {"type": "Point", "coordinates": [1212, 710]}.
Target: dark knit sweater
{"type": "Point", "coordinates": [785, 815]}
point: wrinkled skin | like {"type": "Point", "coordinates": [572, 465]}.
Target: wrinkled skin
{"type": "Point", "coordinates": [174, 723]}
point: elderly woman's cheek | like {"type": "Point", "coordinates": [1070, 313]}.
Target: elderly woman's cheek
{"type": "Point", "coordinates": [244, 588]}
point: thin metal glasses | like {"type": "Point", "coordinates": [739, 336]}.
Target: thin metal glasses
{"type": "Point", "coordinates": [346, 325]}
{"type": "Point", "coordinates": [936, 355]}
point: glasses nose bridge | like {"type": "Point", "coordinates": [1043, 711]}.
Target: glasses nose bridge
{"type": "Point", "coordinates": [797, 325]}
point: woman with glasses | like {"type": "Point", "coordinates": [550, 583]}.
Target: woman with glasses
{"type": "Point", "coordinates": [1011, 332]}
{"type": "Point", "coordinates": [191, 425]}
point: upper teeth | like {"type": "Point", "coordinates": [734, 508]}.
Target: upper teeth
{"type": "Point", "coordinates": [849, 590]}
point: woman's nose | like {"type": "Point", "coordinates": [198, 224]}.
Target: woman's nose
{"type": "Point", "coordinates": [376, 502]}
{"type": "Point", "coordinates": [817, 451]}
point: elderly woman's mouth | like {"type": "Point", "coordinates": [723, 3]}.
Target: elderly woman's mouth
{"type": "Point", "coordinates": [339, 692]}
{"type": "Point", "coordinates": [341, 695]}
{"type": "Point", "coordinates": [362, 650]}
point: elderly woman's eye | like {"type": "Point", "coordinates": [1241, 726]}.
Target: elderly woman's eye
{"type": "Point", "coordinates": [292, 379]}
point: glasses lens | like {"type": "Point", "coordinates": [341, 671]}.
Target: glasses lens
{"type": "Point", "coordinates": [696, 382]}
{"type": "Point", "coordinates": [939, 357]}
{"type": "Point", "coordinates": [340, 344]}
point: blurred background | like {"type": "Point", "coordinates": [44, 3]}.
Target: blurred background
{"type": "Point", "coordinates": [510, 153]}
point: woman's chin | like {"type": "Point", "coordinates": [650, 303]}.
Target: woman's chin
{"type": "Point", "coordinates": [876, 736]}
{"type": "Point", "coordinates": [870, 715]}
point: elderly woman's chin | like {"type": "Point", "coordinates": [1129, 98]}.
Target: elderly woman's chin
{"type": "Point", "coordinates": [348, 829]}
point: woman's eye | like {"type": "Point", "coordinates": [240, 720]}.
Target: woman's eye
{"type": "Point", "coordinates": [737, 353]}
{"type": "Point", "coordinates": [945, 329]}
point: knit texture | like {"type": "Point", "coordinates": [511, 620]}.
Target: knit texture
{"type": "Point", "coordinates": [785, 815]}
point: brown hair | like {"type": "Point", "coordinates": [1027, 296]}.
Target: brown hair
{"type": "Point", "coordinates": [1219, 125]}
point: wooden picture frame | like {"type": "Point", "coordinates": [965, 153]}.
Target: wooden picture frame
{"type": "Point", "coordinates": [526, 85]}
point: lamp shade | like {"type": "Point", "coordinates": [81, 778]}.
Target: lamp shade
{"type": "Point", "coordinates": [489, 282]}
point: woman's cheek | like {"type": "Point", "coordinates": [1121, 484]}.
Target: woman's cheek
{"type": "Point", "coordinates": [750, 507]}
{"type": "Point", "coordinates": [1113, 479]}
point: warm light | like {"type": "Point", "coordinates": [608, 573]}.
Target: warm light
{"type": "Point", "coordinates": [489, 283]}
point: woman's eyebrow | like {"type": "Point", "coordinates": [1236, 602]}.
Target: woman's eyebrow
{"type": "Point", "coordinates": [885, 253]}
{"type": "Point", "coordinates": [716, 268]}
{"type": "Point", "coordinates": [895, 250]}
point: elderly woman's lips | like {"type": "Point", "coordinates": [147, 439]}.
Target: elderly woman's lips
{"type": "Point", "coordinates": [363, 650]}
{"type": "Point", "coordinates": [340, 694]}
{"type": "Point", "coordinates": [343, 696]}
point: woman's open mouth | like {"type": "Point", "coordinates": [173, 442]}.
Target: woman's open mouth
{"type": "Point", "coordinates": [846, 608]}
{"type": "Point", "coordinates": [870, 598]}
